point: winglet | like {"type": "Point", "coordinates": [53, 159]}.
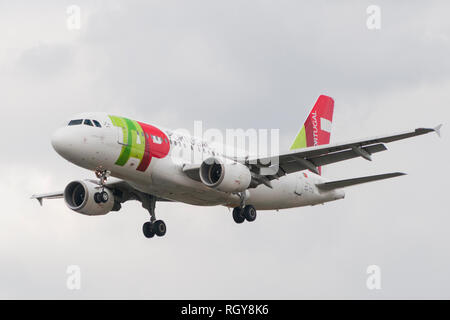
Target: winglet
{"type": "Point", "coordinates": [39, 199]}
{"type": "Point", "coordinates": [438, 130]}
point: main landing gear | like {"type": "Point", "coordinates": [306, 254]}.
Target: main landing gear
{"type": "Point", "coordinates": [152, 227]}
{"type": "Point", "coordinates": [244, 212]}
{"type": "Point", "coordinates": [247, 213]}
{"type": "Point", "coordinates": [102, 175]}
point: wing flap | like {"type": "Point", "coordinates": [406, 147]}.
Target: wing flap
{"type": "Point", "coordinates": [351, 182]}
{"type": "Point", "coordinates": [292, 165]}
{"type": "Point", "coordinates": [346, 155]}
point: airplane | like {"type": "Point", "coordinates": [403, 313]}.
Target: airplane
{"type": "Point", "coordinates": [133, 160]}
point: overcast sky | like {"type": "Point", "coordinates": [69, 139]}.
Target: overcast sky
{"type": "Point", "coordinates": [231, 64]}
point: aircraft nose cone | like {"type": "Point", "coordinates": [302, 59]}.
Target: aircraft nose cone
{"type": "Point", "coordinates": [60, 141]}
{"type": "Point", "coordinates": [56, 139]}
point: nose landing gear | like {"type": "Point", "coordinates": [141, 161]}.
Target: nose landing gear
{"type": "Point", "coordinates": [102, 175]}
{"type": "Point", "coordinates": [100, 197]}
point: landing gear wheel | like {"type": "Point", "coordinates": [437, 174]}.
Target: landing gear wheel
{"type": "Point", "coordinates": [250, 213]}
{"type": "Point", "coordinates": [104, 196]}
{"type": "Point", "coordinates": [160, 228]}
{"type": "Point", "coordinates": [152, 227]}
{"type": "Point", "coordinates": [148, 230]}
{"type": "Point", "coordinates": [98, 197]}
{"type": "Point", "coordinates": [238, 217]}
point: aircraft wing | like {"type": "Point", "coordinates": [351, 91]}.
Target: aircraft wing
{"type": "Point", "coordinates": [313, 157]}
{"type": "Point", "coordinates": [127, 192]}
{"type": "Point", "coordinates": [52, 195]}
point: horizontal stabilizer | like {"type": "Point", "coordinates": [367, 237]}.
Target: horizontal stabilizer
{"type": "Point", "coordinates": [350, 182]}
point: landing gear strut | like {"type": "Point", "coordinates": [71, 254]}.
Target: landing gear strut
{"type": "Point", "coordinates": [102, 175]}
{"type": "Point", "coordinates": [152, 227]}
{"type": "Point", "coordinates": [244, 212]}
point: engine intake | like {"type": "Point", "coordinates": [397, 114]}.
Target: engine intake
{"type": "Point", "coordinates": [79, 196]}
{"type": "Point", "coordinates": [225, 175]}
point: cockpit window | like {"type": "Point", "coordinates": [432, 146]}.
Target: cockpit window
{"type": "Point", "coordinates": [75, 122]}
{"type": "Point", "coordinates": [97, 124]}
{"type": "Point", "coordinates": [88, 122]}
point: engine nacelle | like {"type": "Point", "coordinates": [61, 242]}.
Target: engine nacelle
{"type": "Point", "coordinates": [79, 196]}
{"type": "Point", "coordinates": [225, 175]}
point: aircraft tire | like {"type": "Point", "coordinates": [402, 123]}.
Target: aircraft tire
{"type": "Point", "coordinates": [159, 228]}
{"type": "Point", "coordinates": [104, 196]}
{"type": "Point", "coordinates": [97, 197]}
{"type": "Point", "coordinates": [238, 217]}
{"type": "Point", "coordinates": [250, 213]}
{"type": "Point", "coordinates": [148, 230]}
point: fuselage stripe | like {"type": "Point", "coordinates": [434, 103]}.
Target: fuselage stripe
{"type": "Point", "coordinates": [126, 147]}
{"type": "Point", "coordinates": [146, 158]}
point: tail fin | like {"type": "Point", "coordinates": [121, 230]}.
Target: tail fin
{"type": "Point", "coordinates": [316, 130]}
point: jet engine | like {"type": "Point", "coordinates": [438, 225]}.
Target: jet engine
{"type": "Point", "coordinates": [225, 175]}
{"type": "Point", "coordinates": [85, 197]}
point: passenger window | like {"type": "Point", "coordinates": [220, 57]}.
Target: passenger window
{"type": "Point", "coordinates": [75, 122]}
{"type": "Point", "coordinates": [97, 124]}
{"type": "Point", "coordinates": [88, 122]}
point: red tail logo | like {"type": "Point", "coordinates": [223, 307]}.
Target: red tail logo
{"type": "Point", "coordinates": [316, 130]}
{"type": "Point", "coordinates": [318, 123]}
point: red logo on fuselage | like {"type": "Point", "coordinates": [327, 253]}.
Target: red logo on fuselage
{"type": "Point", "coordinates": [156, 145]}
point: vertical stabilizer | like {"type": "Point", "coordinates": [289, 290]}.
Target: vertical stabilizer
{"type": "Point", "coordinates": [316, 130]}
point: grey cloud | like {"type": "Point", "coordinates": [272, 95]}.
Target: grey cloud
{"type": "Point", "coordinates": [256, 64]}
{"type": "Point", "coordinates": [46, 60]}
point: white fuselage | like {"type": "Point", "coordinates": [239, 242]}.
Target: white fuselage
{"type": "Point", "coordinates": [92, 147]}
